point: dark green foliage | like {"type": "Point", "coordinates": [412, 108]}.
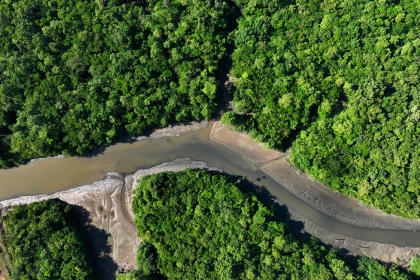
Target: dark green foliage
{"type": "Point", "coordinates": [146, 259]}
{"type": "Point", "coordinates": [44, 242]}
{"type": "Point", "coordinates": [200, 225]}
{"type": "Point", "coordinates": [342, 78]}
{"type": "Point", "coordinates": [76, 74]}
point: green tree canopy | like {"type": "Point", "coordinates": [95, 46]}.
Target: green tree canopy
{"type": "Point", "coordinates": [201, 225]}
{"type": "Point", "coordinates": [77, 74]}
{"type": "Point", "coordinates": [44, 242]}
{"type": "Point", "coordinates": [340, 77]}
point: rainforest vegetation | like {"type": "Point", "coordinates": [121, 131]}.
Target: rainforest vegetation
{"type": "Point", "coordinates": [43, 242]}
{"type": "Point", "coordinates": [76, 74]}
{"type": "Point", "coordinates": [197, 224]}
{"type": "Point", "coordinates": [338, 82]}
{"type": "Point", "coordinates": [334, 80]}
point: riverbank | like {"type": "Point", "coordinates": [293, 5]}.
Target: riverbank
{"type": "Point", "coordinates": [169, 131]}
{"type": "Point", "coordinates": [58, 175]}
{"type": "Point", "coordinates": [174, 130]}
{"type": "Point", "coordinates": [320, 197]}
{"type": "Point", "coordinates": [51, 175]}
{"type": "Point", "coordinates": [108, 203]}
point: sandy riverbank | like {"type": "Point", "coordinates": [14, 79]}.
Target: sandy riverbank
{"type": "Point", "coordinates": [169, 131]}
{"type": "Point", "coordinates": [109, 200]}
{"type": "Point", "coordinates": [108, 203]}
{"type": "Point", "coordinates": [175, 130]}
{"type": "Point", "coordinates": [319, 196]}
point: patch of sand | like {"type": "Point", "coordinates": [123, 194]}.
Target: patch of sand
{"type": "Point", "coordinates": [108, 203]}
{"type": "Point", "coordinates": [389, 253]}
{"type": "Point", "coordinates": [341, 207]}
{"type": "Point", "coordinates": [241, 143]}
{"type": "Point", "coordinates": [175, 130]}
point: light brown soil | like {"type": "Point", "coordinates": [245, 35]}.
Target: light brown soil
{"type": "Point", "coordinates": [102, 201]}
{"type": "Point", "coordinates": [241, 143]}
{"type": "Point", "coordinates": [108, 202]}
{"type": "Point", "coordinates": [389, 253]}
{"type": "Point", "coordinates": [175, 130]}
{"type": "Point", "coordinates": [321, 197]}
{"type": "Point", "coordinates": [336, 205]}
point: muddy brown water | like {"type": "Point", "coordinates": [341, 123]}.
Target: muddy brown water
{"type": "Point", "coordinates": [56, 174]}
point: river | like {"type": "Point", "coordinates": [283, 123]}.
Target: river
{"type": "Point", "coordinates": [56, 174]}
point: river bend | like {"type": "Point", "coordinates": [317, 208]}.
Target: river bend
{"type": "Point", "coordinates": [57, 174]}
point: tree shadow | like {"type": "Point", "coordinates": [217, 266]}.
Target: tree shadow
{"type": "Point", "coordinates": [96, 241]}
{"type": "Point", "coordinates": [225, 88]}
{"type": "Point", "coordinates": [296, 228]}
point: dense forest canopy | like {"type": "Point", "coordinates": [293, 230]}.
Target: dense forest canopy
{"type": "Point", "coordinates": [45, 243]}
{"type": "Point", "coordinates": [336, 80]}
{"type": "Point", "coordinates": [197, 224]}
{"type": "Point", "coordinates": [76, 74]}
{"type": "Point", "coordinates": [341, 77]}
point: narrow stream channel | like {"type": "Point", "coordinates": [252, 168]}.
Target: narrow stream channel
{"type": "Point", "coordinates": [51, 175]}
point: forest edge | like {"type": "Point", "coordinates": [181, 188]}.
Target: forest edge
{"type": "Point", "coordinates": [108, 210]}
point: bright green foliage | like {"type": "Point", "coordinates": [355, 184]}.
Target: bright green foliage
{"type": "Point", "coordinates": [44, 242]}
{"type": "Point", "coordinates": [76, 74]}
{"type": "Point", "coordinates": [370, 151]}
{"type": "Point", "coordinates": [126, 276]}
{"type": "Point", "coordinates": [200, 225]}
{"type": "Point", "coordinates": [342, 77]}
{"type": "Point", "coordinates": [415, 265]}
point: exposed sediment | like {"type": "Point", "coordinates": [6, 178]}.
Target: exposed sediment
{"type": "Point", "coordinates": [320, 197]}
{"type": "Point", "coordinates": [109, 203]}
{"type": "Point", "coordinates": [109, 200]}
{"type": "Point", "coordinates": [175, 130]}
{"type": "Point", "coordinates": [389, 253]}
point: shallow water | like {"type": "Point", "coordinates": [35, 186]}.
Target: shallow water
{"type": "Point", "coordinates": [56, 174]}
